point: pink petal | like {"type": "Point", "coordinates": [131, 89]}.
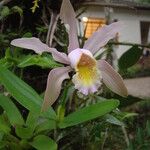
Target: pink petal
{"type": "Point", "coordinates": [60, 57]}
{"type": "Point", "coordinates": [39, 47]}
{"type": "Point", "coordinates": [102, 36]}
{"type": "Point", "coordinates": [68, 16]}
{"type": "Point", "coordinates": [88, 90]}
{"type": "Point", "coordinates": [84, 90]}
{"type": "Point", "coordinates": [112, 79]}
{"type": "Point", "coordinates": [31, 43]}
{"type": "Point", "coordinates": [54, 82]}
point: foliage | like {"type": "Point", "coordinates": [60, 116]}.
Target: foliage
{"type": "Point", "coordinates": [28, 98]}
{"type": "Point", "coordinates": [130, 57]}
{"type": "Point", "coordinates": [144, 1]}
{"type": "Point", "coordinates": [35, 5]}
{"type": "Point", "coordinates": [141, 139]}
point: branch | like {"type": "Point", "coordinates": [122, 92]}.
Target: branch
{"type": "Point", "coordinates": [51, 28]}
{"type": "Point", "coordinates": [2, 3]}
{"type": "Point", "coordinates": [129, 44]}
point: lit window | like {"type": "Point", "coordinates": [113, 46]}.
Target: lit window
{"type": "Point", "coordinates": [92, 24]}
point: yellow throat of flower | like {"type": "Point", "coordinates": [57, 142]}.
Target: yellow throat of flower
{"type": "Point", "coordinates": [87, 71]}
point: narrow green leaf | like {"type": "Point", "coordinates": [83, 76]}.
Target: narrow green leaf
{"type": "Point", "coordinates": [42, 142]}
{"type": "Point", "coordinates": [148, 127]}
{"type": "Point", "coordinates": [1, 135]}
{"type": "Point", "coordinates": [129, 115]}
{"type": "Point", "coordinates": [11, 110]}
{"type": "Point", "coordinates": [67, 92]}
{"type": "Point", "coordinates": [4, 126]}
{"type": "Point", "coordinates": [8, 53]}
{"type": "Point", "coordinates": [130, 57]}
{"type": "Point", "coordinates": [23, 93]}
{"type": "Point", "coordinates": [140, 135]}
{"type": "Point", "coordinates": [89, 113]}
{"type": "Point", "coordinates": [113, 120]}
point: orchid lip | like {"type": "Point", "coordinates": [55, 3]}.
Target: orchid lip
{"type": "Point", "coordinates": [75, 55]}
{"type": "Point", "coordinates": [87, 78]}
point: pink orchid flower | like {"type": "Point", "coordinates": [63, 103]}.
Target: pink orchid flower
{"type": "Point", "coordinates": [89, 72]}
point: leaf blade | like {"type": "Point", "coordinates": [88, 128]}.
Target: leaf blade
{"type": "Point", "coordinates": [11, 110]}
{"type": "Point", "coordinates": [89, 113]}
{"type": "Point", "coordinates": [42, 142]}
{"type": "Point", "coordinates": [23, 93]}
{"type": "Point", "coordinates": [130, 57]}
{"type": "Point", "coordinates": [41, 61]}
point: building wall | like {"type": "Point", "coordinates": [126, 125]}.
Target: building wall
{"type": "Point", "coordinates": [131, 18]}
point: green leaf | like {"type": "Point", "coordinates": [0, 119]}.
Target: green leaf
{"type": "Point", "coordinates": [130, 57]}
{"type": "Point", "coordinates": [41, 29]}
{"type": "Point", "coordinates": [42, 61]}
{"type": "Point", "coordinates": [113, 120]}
{"type": "Point", "coordinates": [1, 135]}
{"type": "Point", "coordinates": [129, 115]}
{"type": "Point", "coordinates": [2, 144]}
{"type": "Point", "coordinates": [4, 62]}
{"type": "Point", "coordinates": [27, 35]}
{"type": "Point", "coordinates": [42, 142]}
{"type": "Point", "coordinates": [32, 120]}
{"type": "Point", "coordinates": [8, 53]}
{"type": "Point", "coordinates": [67, 92]}
{"type": "Point", "coordinates": [23, 93]}
{"type": "Point", "coordinates": [14, 146]}
{"type": "Point", "coordinates": [128, 101]}
{"type": "Point", "coordinates": [4, 126]}
{"type": "Point", "coordinates": [148, 127]}
{"type": "Point", "coordinates": [89, 113]}
{"type": "Point", "coordinates": [39, 124]}
{"type": "Point", "coordinates": [17, 9]}
{"type": "Point", "coordinates": [4, 12]}
{"type": "Point", "coordinates": [24, 132]}
{"type": "Point", "coordinates": [11, 110]}
{"type": "Point", "coordinates": [46, 125]}
{"type": "Point", "coordinates": [140, 135]}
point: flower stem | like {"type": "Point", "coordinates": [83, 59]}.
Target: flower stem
{"type": "Point", "coordinates": [125, 135]}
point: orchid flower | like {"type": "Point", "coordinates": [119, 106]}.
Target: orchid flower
{"type": "Point", "coordinates": [89, 72]}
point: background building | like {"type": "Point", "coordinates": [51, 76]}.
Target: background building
{"type": "Point", "coordinates": [135, 17]}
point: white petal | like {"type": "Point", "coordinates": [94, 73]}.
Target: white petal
{"type": "Point", "coordinates": [112, 79]}
{"type": "Point", "coordinates": [68, 16]}
{"type": "Point", "coordinates": [102, 36]}
{"type": "Point", "coordinates": [32, 44]}
{"type": "Point", "coordinates": [54, 82]}
{"type": "Point", "coordinates": [36, 45]}
{"type": "Point", "coordinates": [60, 57]}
